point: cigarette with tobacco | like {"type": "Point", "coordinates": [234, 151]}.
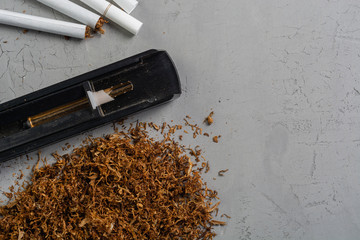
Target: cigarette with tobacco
{"type": "Point", "coordinates": [115, 14]}
{"type": "Point", "coordinates": [94, 100]}
{"type": "Point", "coordinates": [127, 5]}
{"type": "Point", "coordinates": [44, 24]}
{"type": "Point", "coordinates": [76, 12]}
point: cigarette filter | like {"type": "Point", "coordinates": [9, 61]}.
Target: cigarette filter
{"type": "Point", "coordinates": [42, 24]}
{"type": "Point", "coordinates": [98, 98]}
{"type": "Point", "coordinates": [74, 11]}
{"type": "Point", "coordinates": [127, 5]}
{"type": "Point", "coordinates": [115, 14]}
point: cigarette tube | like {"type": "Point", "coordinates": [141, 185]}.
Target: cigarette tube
{"type": "Point", "coordinates": [127, 5]}
{"type": "Point", "coordinates": [43, 24]}
{"type": "Point", "coordinates": [115, 14]}
{"type": "Point", "coordinates": [96, 99]}
{"type": "Point", "coordinates": [99, 98]}
{"type": "Point", "coordinates": [74, 11]}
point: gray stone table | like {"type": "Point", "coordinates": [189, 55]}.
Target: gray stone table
{"type": "Point", "coordinates": [282, 77]}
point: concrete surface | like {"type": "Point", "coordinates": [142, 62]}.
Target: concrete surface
{"type": "Point", "coordinates": [282, 77]}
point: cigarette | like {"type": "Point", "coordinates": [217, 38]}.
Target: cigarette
{"type": "Point", "coordinates": [115, 14]}
{"type": "Point", "coordinates": [96, 99]}
{"type": "Point", "coordinates": [76, 12]}
{"type": "Point", "coordinates": [127, 5]}
{"type": "Point", "coordinates": [43, 24]}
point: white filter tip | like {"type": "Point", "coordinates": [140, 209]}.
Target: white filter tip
{"type": "Point", "coordinates": [98, 98]}
{"type": "Point", "coordinates": [127, 5]}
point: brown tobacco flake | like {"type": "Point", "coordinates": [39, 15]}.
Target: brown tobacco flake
{"type": "Point", "coordinates": [209, 120]}
{"type": "Point", "coordinates": [123, 186]}
{"type": "Point", "coordinates": [221, 172]}
{"type": "Point", "coordinates": [88, 32]}
{"type": "Point", "coordinates": [195, 153]}
{"type": "Point", "coordinates": [21, 175]}
{"type": "Point", "coordinates": [194, 127]}
{"type": "Point", "coordinates": [215, 222]}
{"type": "Point", "coordinates": [25, 31]}
{"type": "Point", "coordinates": [207, 167]}
{"type": "Point", "coordinates": [8, 195]}
{"type": "Point", "coordinates": [99, 25]}
{"type": "Point", "coordinates": [172, 130]}
{"type": "Point", "coordinates": [154, 126]}
{"type": "Point", "coordinates": [163, 127]}
{"type": "Point", "coordinates": [225, 215]}
{"type": "Point", "coordinates": [216, 139]}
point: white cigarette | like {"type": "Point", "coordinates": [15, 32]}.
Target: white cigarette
{"type": "Point", "coordinates": [74, 11]}
{"type": "Point", "coordinates": [127, 5]}
{"type": "Point", "coordinates": [115, 14]}
{"type": "Point", "coordinates": [42, 24]}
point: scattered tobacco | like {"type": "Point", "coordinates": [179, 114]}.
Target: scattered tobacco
{"type": "Point", "coordinates": [123, 186]}
{"type": "Point", "coordinates": [21, 175]}
{"type": "Point", "coordinates": [99, 25]}
{"type": "Point", "coordinates": [225, 215]}
{"type": "Point", "coordinates": [216, 139]}
{"type": "Point", "coordinates": [88, 32]}
{"type": "Point", "coordinates": [207, 167]}
{"type": "Point", "coordinates": [194, 127]}
{"type": "Point", "coordinates": [209, 120]}
{"type": "Point", "coordinates": [221, 172]}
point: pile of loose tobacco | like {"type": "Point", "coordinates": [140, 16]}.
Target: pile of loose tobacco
{"type": "Point", "coordinates": [123, 186]}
